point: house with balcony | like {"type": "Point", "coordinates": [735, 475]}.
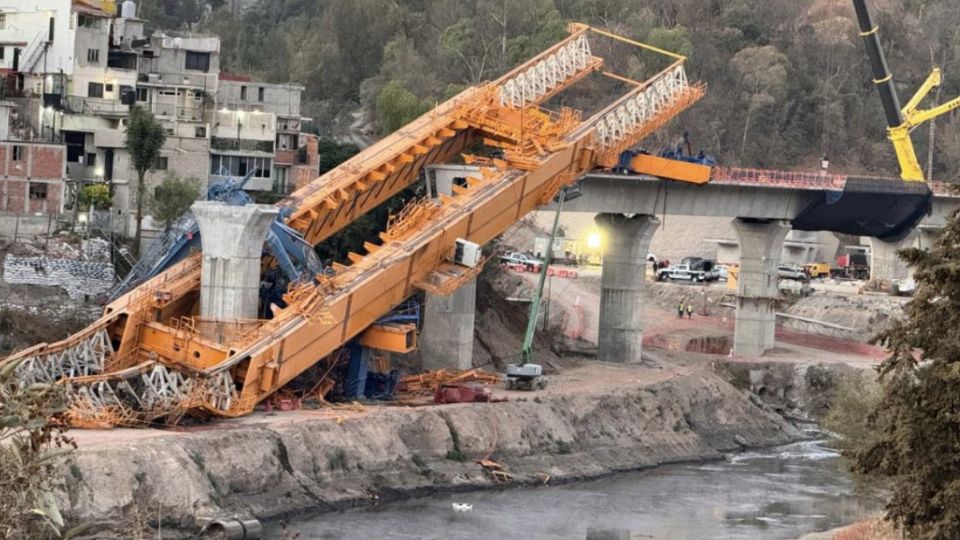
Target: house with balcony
{"type": "Point", "coordinates": [292, 153]}
{"type": "Point", "coordinates": [75, 67]}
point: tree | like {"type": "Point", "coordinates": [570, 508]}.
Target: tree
{"type": "Point", "coordinates": [173, 198]}
{"type": "Point", "coordinates": [397, 106]}
{"type": "Point", "coordinates": [918, 417]}
{"type": "Point", "coordinates": [145, 138]}
{"type": "Point", "coordinates": [675, 40]}
{"type": "Point", "coordinates": [764, 73]}
{"type": "Point", "coordinates": [96, 196]}
{"type": "Point", "coordinates": [333, 153]}
{"type": "Point", "coordinates": [31, 446]}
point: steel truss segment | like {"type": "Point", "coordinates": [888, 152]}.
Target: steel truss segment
{"type": "Point", "coordinates": [221, 391]}
{"type": "Point", "coordinates": [164, 389]}
{"type": "Point", "coordinates": [620, 123]}
{"type": "Point", "coordinates": [546, 75]}
{"type": "Point", "coordinates": [87, 357]}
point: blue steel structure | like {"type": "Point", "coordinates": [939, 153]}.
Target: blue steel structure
{"type": "Point", "coordinates": [296, 259]}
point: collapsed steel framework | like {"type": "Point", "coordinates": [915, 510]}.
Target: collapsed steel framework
{"type": "Point", "coordinates": [144, 361]}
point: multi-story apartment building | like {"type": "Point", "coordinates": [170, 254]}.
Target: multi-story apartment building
{"type": "Point", "coordinates": [77, 66]}
{"type": "Point", "coordinates": [273, 139]}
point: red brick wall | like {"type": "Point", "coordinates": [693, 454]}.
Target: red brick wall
{"type": "Point", "coordinates": [285, 157]}
{"type": "Point", "coordinates": [47, 161]}
{"type": "Point", "coordinates": [14, 194]}
{"type": "Point", "coordinates": [15, 169]}
{"type": "Point", "coordinates": [39, 164]}
{"type": "Point", "coordinates": [313, 151]}
{"type": "Point", "coordinates": [51, 204]}
{"type": "Point", "coordinates": [301, 175]}
{"type": "Point", "coordinates": [55, 192]}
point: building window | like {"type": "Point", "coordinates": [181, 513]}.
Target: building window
{"type": "Point", "coordinates": [121, 60]}
{"type": "Point", "coordinates": [201, 132]}
{"type": "Point", "coordinates": [142, 95]}
{"type": "Point", "coordinates": [18, 153]}
{"type": "Point", "coordinates": [93, 56]}
{"type": "Point", "coordinates": [160, 164]}
{"type": "Point", "coordinates": [198, 61]}
{"type": "Point", "coordinates": [95, 90]}
{"type": "Point", "coordinates": [260, 94]}
{"type": "Point", "coordinates": [240, 166]}
{"type": "Point", "coordinates": [38, 192]}
{"type": "Point", "coordinates": [1, 52]}
{"type": "Point", "coordinates": [91, 159]}
{"type": "Point", "coordinates": [108, 88]}
{"type": "Point", "coordinates": [86, 21]}
{"type": "Point", "coordinates": [243, 93]}
{"type": "Point", "coordinates": [3, 22]}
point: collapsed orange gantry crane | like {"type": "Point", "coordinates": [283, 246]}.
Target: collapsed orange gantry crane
{"type": "Point", "coordinates": [149, 357]}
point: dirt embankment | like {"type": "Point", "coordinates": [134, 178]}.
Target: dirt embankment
{"type": "Point", "coordinates": [314, 461]}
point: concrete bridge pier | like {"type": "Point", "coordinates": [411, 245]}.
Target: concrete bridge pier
{"type": "Point", "coordinates": [885, 264]}
{"type": "Point", "coordinates": [627, 241]}
{"type": "Point", "coordinates": [447, 338]}
{"type": "Point", "coordinates": [760, 245]}
{"type": "Point", "coordinates": [232, 238]}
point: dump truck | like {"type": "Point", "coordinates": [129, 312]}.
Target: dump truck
{"type": "Point", "coordinates": [852, 266]}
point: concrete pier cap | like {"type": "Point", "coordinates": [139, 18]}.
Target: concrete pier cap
{"type": "Point", "coordinates": [232, 238]}
{"type": "Point", "coordinates": [626, 244]}
{"type": "Point", "coordinates": [761, 242]}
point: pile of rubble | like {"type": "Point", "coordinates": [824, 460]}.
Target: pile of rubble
{"type": "Point", "coordinates": [84, 272]}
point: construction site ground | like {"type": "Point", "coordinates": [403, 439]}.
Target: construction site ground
{"type": "Point", "coordinates": [594, 418]}
{"type": "Point", "coordinates": [686, 400]}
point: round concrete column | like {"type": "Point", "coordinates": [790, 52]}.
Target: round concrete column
{"type": "Point", "coordinates": [626, 243]}
{"type": "Point", "coordinates": [761, 243]}
{"type": "Point", "coordinates": [885, 264]}
{"type": "Point", "coordinates": [232, 238]}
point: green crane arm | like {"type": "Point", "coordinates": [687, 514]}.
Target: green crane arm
{"type": "Point", "coordinates": [526, 352]}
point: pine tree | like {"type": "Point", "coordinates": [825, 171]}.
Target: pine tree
{"type": "Point", "coordinates": [918, 419]}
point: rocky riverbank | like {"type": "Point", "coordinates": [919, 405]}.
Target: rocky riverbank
{"type": "Point", "coordinates": [313, 461]}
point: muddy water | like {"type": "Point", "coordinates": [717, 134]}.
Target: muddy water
{"type": "Point", "coordinates": [784, 492]}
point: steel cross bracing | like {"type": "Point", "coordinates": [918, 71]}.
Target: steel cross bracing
{"type": "Point", "coordinates": [179, 374]}
{"type": "Point", "coordinates": [88, 356]}
{"type": "Point", "coordinates": [546, 76]}
{"type": "Point", "coordinates": [620, 123]}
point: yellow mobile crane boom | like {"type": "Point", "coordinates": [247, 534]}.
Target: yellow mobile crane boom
{"type": "Point", "coordinates": [151, 358]}
{"type": "Point", "coordinates": [900, 122]}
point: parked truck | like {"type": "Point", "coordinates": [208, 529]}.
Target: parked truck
{"type": "Point", "coordinates": [852, 266]}
{"type": "Point", "coordinates": [817, 269]}
{"type": "Point", "coordinates": [697, 271]}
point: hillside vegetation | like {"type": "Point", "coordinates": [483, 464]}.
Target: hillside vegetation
{"type": "Point", "coordinates": [789, 80]}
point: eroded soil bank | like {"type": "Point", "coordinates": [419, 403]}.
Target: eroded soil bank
{"type": "Point", "coordinates": [313, 461]}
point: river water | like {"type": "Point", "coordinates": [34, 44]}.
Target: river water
{"type": "Point", "coordinates": [780, 493]}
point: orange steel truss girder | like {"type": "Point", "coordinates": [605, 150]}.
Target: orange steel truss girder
{"type": "Point", "coordinates": [544, 152]}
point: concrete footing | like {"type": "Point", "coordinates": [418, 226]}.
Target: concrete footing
{"type": "Point", "coordinates": [760, 247]}
{"type": "Point", "coordinates": [232, 239]}
{"type": "Point", "coordinates": [447, 338]}
{"type": "Point", "coordinates": [626, 243]}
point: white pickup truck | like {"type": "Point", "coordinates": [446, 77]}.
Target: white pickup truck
{"type": "Point", "coordinates": [530, 264]}
{"type": "Point", "coordinates": [683, 272]}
